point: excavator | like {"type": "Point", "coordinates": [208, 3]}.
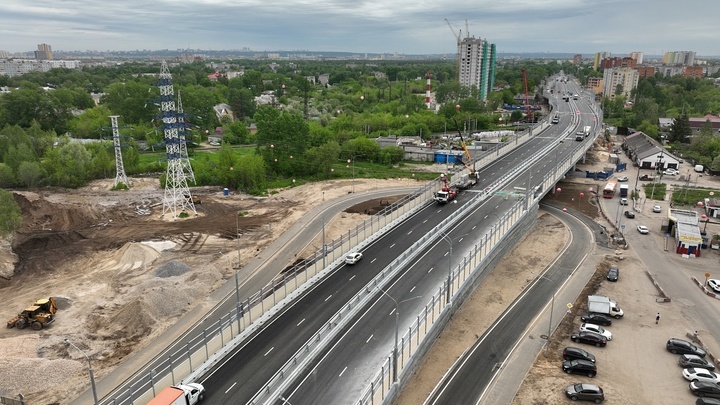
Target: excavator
{"type": "Point", "coordinates": [41, 313]}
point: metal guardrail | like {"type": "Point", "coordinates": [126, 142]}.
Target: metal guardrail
{"type": "Point", "coordinates": [207, 348]}
{"type": "Point", "coordinates": [381, 384]}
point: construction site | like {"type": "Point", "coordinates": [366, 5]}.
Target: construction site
{"type": "Point", "coordinates": [120, 274]}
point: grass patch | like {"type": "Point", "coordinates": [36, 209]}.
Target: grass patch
{"type": "Point", "coordinates": [655, 191]}
{"type": "Point", "coordinates": [691, 196]}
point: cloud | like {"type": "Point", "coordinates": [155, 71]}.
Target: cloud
{"type": "Point", "coordinates": [403, 26]}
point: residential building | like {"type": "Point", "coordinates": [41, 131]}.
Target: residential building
{"type": "Point", "coordinates": [609, 63]}
{"type": "Point", "coordinates": [670, 70]}
{"type": "Point", "coordinates": [684, 58]}
{"type": "Point", "coordinates": [477, 65]}
{"type": "Point", "coordinates": [598, 57]}
{"type": "Point", "coordinates": [595, 84]}
{"type": "Point", "coordinates": [324, 79]}
{"type": "Point", "coordinates": [638, 56]}
{"type": "Point", "coordinates": [624, 77]}
{"type": "Point", "coordinates": [696, 72]}
{"type": "Point", "coordinates": [44, 52]}
{"type": "Point", "coordinates": [577, 59]}
{"type": "Point", "coordinates": [645, 71]}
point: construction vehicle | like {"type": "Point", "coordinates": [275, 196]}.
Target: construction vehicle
{"type": "Point", "coordinates": [41, 313]}
{"type": "Point", "coordinates": [183, 394]}
{"type": "Point", "coordinates": [472, 176]}
{"type": "Point", "coordinates": [446, 193]}
{"type": "Point", "coordinates": [195, 199]}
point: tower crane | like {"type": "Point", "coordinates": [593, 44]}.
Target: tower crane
{"type": "Point", "coordinates": [458, 36]}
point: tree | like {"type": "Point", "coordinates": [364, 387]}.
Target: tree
{"type": "Point", "coordinates": [90, 123]}
{"type": "Point", "coordinates": [68, 165]}
{"type": "Point", "coordinates": [30, 174]}
{"type": "Point", "coordinates": [10, 215]}
{"type": "Point", "coordinates": [7, 176]}
{"type": "Point", "coordinates": [680, 130]}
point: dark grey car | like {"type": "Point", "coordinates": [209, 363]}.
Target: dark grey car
{"type": "Point", "coordinates": [695, 361]}
{"type": "Point", "coordinates": [679, 346]}
{"type": "Point", "coordinates": [585, 392]}
{"type": "Point", "coordinates": [613, 274]}
{"type": "Point", "coordinates": [580, 367]}
{"type": "Point", "coordinates": [575, 353]}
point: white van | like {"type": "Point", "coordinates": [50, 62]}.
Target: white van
{"type": "Point", "coordinates": [699, 168]}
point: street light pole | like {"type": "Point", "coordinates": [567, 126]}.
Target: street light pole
{"type": "Point", "coordinates": [397, 323]}
{"type": "Point", "coordinates": [449, 276]}
{"type": "Point", "coordinates": [90, 370]}
{"type": "Point", "coordinates": [552, 307]}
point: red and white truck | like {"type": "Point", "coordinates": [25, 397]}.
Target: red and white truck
{"type": "Point", "coordinates": [183, 394]}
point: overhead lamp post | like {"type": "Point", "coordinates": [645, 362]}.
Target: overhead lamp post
{"type": "Point", "coordinates": [90, 370]}
{"type": "Point", "coordinates": [449, 276]}
{"type": "Point", "coordinates": [397, 323]}
{"type": "Point", "coordinates": [552, 307]}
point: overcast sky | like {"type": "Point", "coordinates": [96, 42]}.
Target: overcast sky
{"type": "Point", "coordinates": [387, 26]}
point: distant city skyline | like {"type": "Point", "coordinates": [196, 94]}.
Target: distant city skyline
{"type": "Point", "coordinates": [395, 26]}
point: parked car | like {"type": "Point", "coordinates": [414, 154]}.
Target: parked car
{"type": "Point", "coordinates": [591, 327]}
{"type": "Point", "coordinates": [671, 172]}
{"type": "Point", "coordinates": [629, 214]}
{"type": "Point", "coordinates": [657, 209]}
{"type": "Point", "coordinates": [575, 353]}
{"type": "Point", "coordinates": [693, 360]}
{"type": "Point", "coordinates": [623, 178]}
{"type": "Point", "coordinates": [623, 201]}
{"type": "Point", "coordinates": [643, 229]}
{"type": "Point", "coordinates": [590, 338]}
{"type": "Point", "coordinates": [585, 392]}
{"type": "Point", "coordinates": [597, 319]}
{"type": "Point", "coordinates": [679, 346]}
{"type": "Point", "coordinates": [353, 257]}
{"type": "Point", "coordinates": [707, 401]}
{"type": "Point", "coordinates": [714, 284]}
{"type": "Point", "coordinates": [613, 274]}
{"type": "Point", "coordinates": [580, 367]}
{"type": "Point", "coordinates": [700, 374]}
{"type": "Point", "coordinates": [705, 389]}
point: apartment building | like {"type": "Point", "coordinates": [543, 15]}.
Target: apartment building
{"type": "Point", "coordinates": [477, 65]}
{"type": "Point", "coordinates": [626, 77]}
{"type": "Point", "coordinates": [684, 58]}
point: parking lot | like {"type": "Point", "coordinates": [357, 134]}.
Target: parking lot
{"type": "Point", "coordinates": [635, 367]}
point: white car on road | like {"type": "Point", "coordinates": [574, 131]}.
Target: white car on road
{"type": "Point", "coordinates": [657, 208]}
{"type": "Point", "coordinates": [353, 257]}
{"type": "Point", "coordinates": [671, 172]}
{"type": "Point", "coordinates": [591, 327]}
{"type": "Point", "coordinates": [714, 284]}
{"type": "Point", "coordinates": [643, 229]}
{"type": "Point", "coordinates": [623, 178]}
{"type": "Point", "coordinates": [701, 374]}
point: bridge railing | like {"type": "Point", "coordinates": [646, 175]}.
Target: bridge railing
{"type": "Point", "coordinates": [220, 335]}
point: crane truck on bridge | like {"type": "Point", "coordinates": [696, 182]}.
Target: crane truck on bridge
{"type": "Point", "coordinates": [447, 193]}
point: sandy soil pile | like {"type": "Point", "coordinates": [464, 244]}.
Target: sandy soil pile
{"type": "Point", "coordinates": [121, 276]}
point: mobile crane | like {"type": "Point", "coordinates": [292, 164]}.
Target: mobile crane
{"type": "Point", "coordinates": [470, 179]}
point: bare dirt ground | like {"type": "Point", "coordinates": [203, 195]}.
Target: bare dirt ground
{"type": "Point", "coordinates": [122, 275]}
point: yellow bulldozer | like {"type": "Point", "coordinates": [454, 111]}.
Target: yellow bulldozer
{"type": "Point", "coordinates": [41, 313]}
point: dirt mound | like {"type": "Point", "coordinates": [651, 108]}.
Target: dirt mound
{"type": "Point", "coordinates": [372, 207]}
{"type": "Point", "coordinates": [172, 269]}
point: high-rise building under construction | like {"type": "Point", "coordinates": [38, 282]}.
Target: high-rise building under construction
{"type": "Point", "coordinates": [477, 65]}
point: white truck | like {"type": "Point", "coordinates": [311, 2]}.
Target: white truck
{"type": "Point", "coordinates": [183, 394]}
{"type": "Point", "coordinates": [586, 130]}
{"type": "Point", "coordinates": [603, 305]}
